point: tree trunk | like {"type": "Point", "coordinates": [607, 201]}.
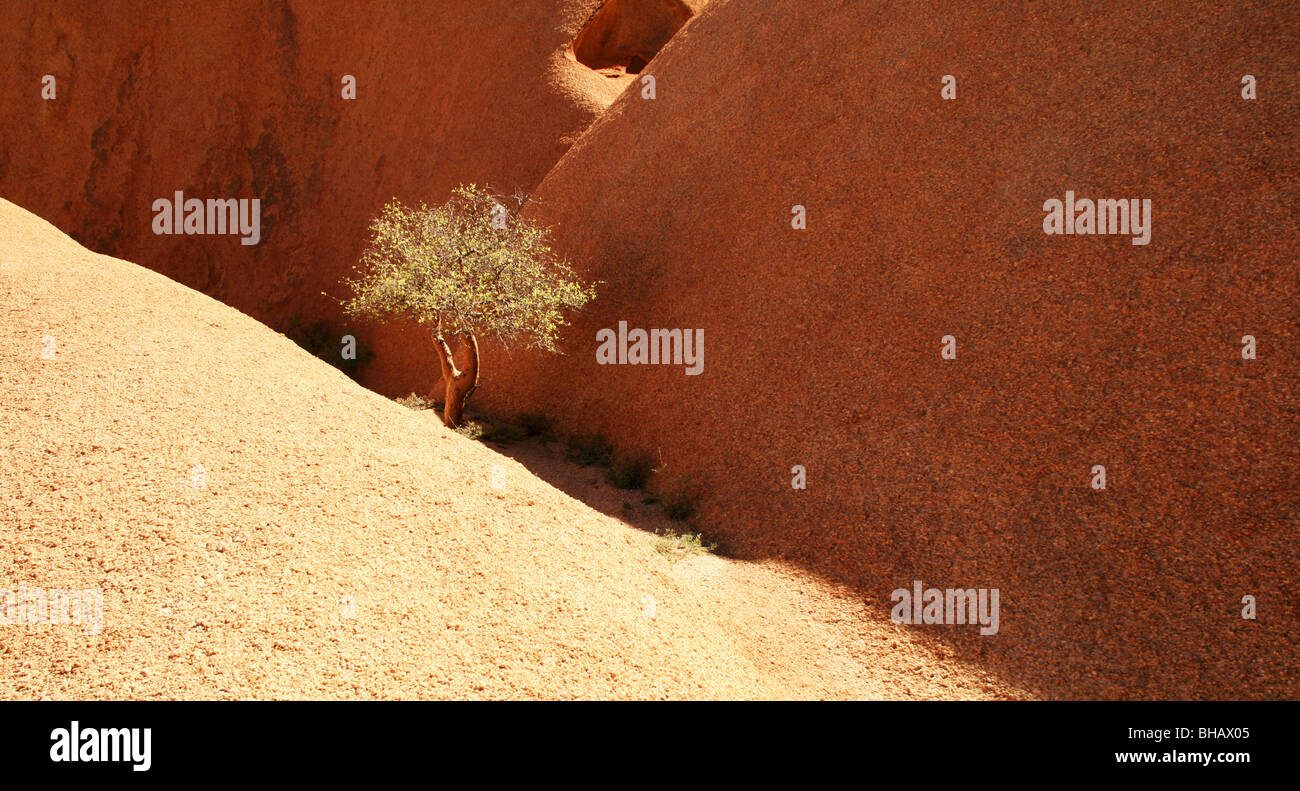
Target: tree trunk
{"type": "Point", "coordinates": [460, 384]}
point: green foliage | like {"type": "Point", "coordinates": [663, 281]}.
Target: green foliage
{"type": "Point", "coordinates": [414, 401]}
{"type": "Point", "coordinates": [470, 430]}
{"type": "Point", "coordinates": [449, 267]}
{"type": "Point", "coordinates": [682, 545]}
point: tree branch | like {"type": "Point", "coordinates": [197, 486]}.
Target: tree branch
{"type": "Point", "coordinates": [449, 370]}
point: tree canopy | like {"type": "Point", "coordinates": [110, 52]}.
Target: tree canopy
{"type": "Point", "coordinates": [472, 265]}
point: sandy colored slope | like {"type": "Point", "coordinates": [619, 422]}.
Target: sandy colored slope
{"type": "Point", "coordinates": [318, 493]}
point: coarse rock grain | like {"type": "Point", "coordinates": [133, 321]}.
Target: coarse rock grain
{"type": "Point", "coordinates": [262, 527]}
{"type": "Point", "coordinates": [924, 219]}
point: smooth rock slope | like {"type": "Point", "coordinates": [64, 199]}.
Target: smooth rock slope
{"type": "Point", "coordinates": [925, 220]}
{"type": "Point", "coordinates": [259, 526]}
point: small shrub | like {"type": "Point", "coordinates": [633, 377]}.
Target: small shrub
{"type": "Point", "coordinates": [678, 506]}
{"type": "Point", "coordinates": [470, 430]}
{"type": "Point", "coordinates": [677, 501]}
{"type": "Point", "coordinates": [414, 401]}
{"type": "Point", "coordinates": [682, 545]}
{"type": "Point", "coordinates": [630, 474]}
{"type": "Point", "coordinates": [534, 424]}
{"type": "Point", "coordinates": [594, 451]}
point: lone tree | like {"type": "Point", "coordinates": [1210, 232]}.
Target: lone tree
{"type": "Point", "coordinates": [467, 268]}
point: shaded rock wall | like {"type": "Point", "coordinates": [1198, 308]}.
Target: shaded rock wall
{"type": "Point", "coordinates": [629, 33]}
{"type": "Point", "coordinates": [245, 100]}
{"type": "Point", "coordinates": [924, 220]}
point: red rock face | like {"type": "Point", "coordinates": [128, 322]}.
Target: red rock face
{"type": "Point", "coordinates": [628, 33]}
{"type": "Point", "coordinates": [822, 345]}
{"type": "Point", "coordinates": [246, 100]}
{"type": "Point", "coordinates": [924, 219]}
